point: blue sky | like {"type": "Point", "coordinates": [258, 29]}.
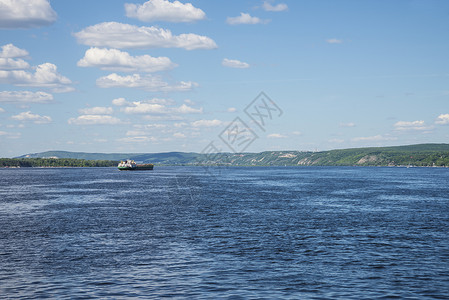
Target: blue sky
{"type": "Point", "coordinates": [159, 75]}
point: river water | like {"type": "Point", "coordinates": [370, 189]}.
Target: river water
{"type": "Point", "coordinates": [227, 233]}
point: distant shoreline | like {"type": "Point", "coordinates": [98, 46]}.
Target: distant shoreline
{"type": "Point", "coordinates": [422, 155]}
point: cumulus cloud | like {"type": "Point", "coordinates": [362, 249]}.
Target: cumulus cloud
{"type": "Point", "coordinates": [119, 35]}
{"type": "Point", "coordinates": [231, 109]}
{"type": "Point", "coordinates": [163, 10]}
{"type": "Point", "coordinates": [179, 135]}
{"type": "Point", "coordinates": [2, 110]}
{"type": "Point", "coordinates": [116, 60]}
{"type": "Point", "coordinates": [120, 102]}
{"type": "Point", "coordinates": [145, 108]}
{"type": "Point", "coordinates": [334, 41]}
{"type": "Point", "coordinates": [146, 82]}
{"type": "Point", "coordinates": [10, 58]}
{"type": "Point", "coordinates": [45, 75]}
{"type": "Point", "coordinates": [375, 138]}
{"type": "Point", "coordinates": [207, 123]}
{"type": "Point", "coordinates": [442, 119]}
{"type": "Point", "coordinates": [276, 136]}
{"type": "Point", "coordinates": [98, 110]}
{"type": "Point", "coordinates": [414, 125]}
{"type": "Point", "coordinates": [13, 64]}
{"type": "Point", "coordinates": [28, 116]}
{"type": "Point", "coordinates": [16, 71]}
{"type": "Point", "coordinates": [26, 13]}
{"type": "Point", "coordinates": [267, 6]}
{"type": "Point", "coordinates": [95, 120]}
{"type": "Point", "coordinates": [233, 63]}
{"type": "Point", "coordinates": [245, 18]}
{"type": "Point", "coordinates": [25, 97]}
{"type": "Point", "coordinates": [150, 107]}
{"type": "Point", "coordinates": [11, 51]}
{"type": "Point", "coordinates": [185, 109]}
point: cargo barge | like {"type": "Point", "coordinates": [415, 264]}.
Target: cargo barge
{"type": "Point", "coordinates": [130, 165]}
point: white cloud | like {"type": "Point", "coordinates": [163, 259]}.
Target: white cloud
{"type": "Point", "coordinates": [163, 10]}
{"type": "Point", "coordinates": [278, 7]}
{"type": "Point", "coordinates": [46, 75]}
{"type": "Point", "coordinates": [147, 107]}
{"type": "Point", "coordinates": [297, 133]}
{"type": "Point", "coordinates": [116, 60]}
{"type": "Point", "coordinates": [146, 82]}
{"type": "Point", "coordinates": [245, 18]}
{"type": "Point", "coordinates": [179, 135]}
{"type": "Point", "coordinates": [276, 136]}
{"type": "Point", "coordinates": [2, 110]}
{"type": "Point", "coordinates": [334, 41]}
{"type": "Point", "coordinates": [232, 109]}
{"type": "Point", "coordinates": [26, 13]}
{"type": "Point", "coordinates": [119, 35]}
{"type": "Point", "coordinates": [135, 133]}
{"type": "Point", "coordinates": [233, 63]}
{"type": "Point", "coordinates": [25, 97]}
{"type": "Point", "coordinates": [28, 116]}
{"type": "Point", "coordinates": [414, 125]}
{"type": "Point", "coordinates": [207, 123]}
{"type": "Point", "coordinates": [442, 119]}
{"type": "Point", "coordinates": [16, 71]}
{"type": "Point", "coordinates": [120, 102]}
{"type": "Point", "coordinates": [350, 124]}
{"type": "Point", "coordinates": [13, 64]}
{"type": "Point", "coordinates": [95, 120]}
{"type": "Point", "coordinates": [185, 109]}
{"type": "Point", "coordinates": [180, 124]}
{"type": "Point", "coordinates": [11, 51]}
{"type": "Point", "coordinates": [98, 110]}
{"type": "Point", "coordinates": [374, 138]}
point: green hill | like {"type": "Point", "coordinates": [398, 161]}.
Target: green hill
{"type": "Point", "coordinates": [416, 155]}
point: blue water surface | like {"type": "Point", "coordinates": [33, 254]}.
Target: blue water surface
{"type": "Point", "coordinates": [227, 233]}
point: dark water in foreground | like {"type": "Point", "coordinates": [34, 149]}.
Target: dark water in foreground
{"type": "Point", "coordinates": [311, 232]}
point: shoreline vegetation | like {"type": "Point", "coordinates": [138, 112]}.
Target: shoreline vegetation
{"type": "Point", "coordinates": [423, 155]}
{"type": "Point", "coordinates": [54, 163]}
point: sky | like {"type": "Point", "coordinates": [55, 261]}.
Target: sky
{"type": "Point", "coordinates": [222, 76]}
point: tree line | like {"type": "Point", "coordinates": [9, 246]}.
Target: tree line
{"type": "Point", "coordinates": [54, 162]}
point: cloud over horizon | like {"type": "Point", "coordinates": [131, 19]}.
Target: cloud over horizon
{"type": "Point", "coordinates": [95, 120]}
{"type": "Point", "coordinates": [145, 82]}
